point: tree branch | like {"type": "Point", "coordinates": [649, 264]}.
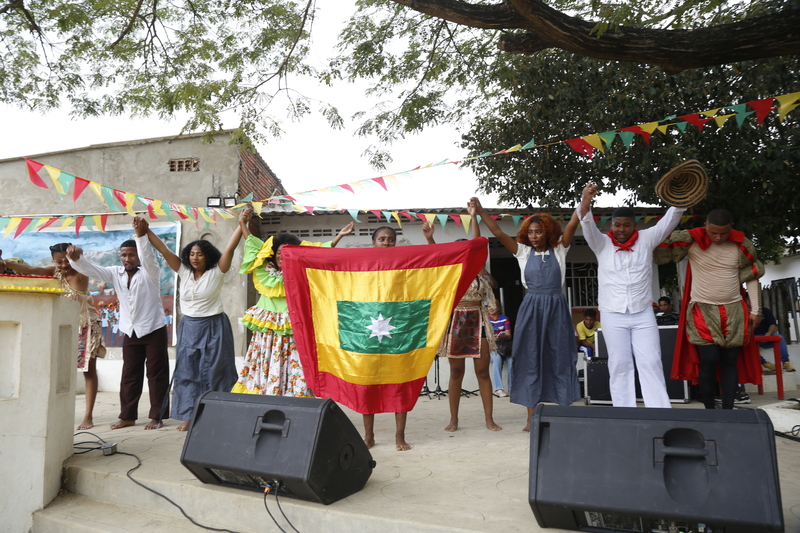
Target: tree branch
{"type": "Point", "coordinates": [129, 27]}
{"type": "Point", "coordinates": [676, 50]}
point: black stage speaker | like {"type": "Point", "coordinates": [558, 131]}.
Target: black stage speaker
{"type": "Point", "coordinates": [652, 470]}
{"type": "Point", "coordinates": [307, 448]}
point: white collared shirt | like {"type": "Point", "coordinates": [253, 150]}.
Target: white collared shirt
{"type": "Point", "coordinates": [625, 278]}
{"type": "Point", "coordinates": [201, 297]}
{"type": "Point", "coordinates": [140, 309]}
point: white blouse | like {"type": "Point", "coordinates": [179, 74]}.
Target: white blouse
{"type": "Point", "coordinates": [201, 297]}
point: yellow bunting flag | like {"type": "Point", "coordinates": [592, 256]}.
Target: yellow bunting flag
{"type": "Point", "coordinates": [720, 120]}
{"type": "Point", "coordinates": [12, 225]}
{"type": "Point", "coordinates": [786, 103]}
{"type": "Point", "coordinates": [129, 199]}
{"type": "Point", "coordinates": [98, 223]}
{"type": "Point", "coordinates": [595, 141]}
{"type": "Point", "coordinates": [397, 218]}
{"type": "Point", "coordinates": [710, 113]}
{"type": "Point", "coordinates": [66, 223]}
{"type": "Point", "coordinates": [97, 189]}
{"type": "Point", "coordinates": [465, 221]}
{"type": "Point", "coordinates": [54, 173]}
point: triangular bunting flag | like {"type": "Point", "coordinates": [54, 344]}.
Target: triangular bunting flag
{"type": "Point", "coordinates": [442, 219]}
{"type": "Point", "coordinates": [80, 186]}
{"type": "Point", "coordinates": [529, 144]}
{"type": "Point", "coordinates": [786, 103]}
{"type": "Point", "coordinates": [33, 173]}
{"type": "Point", "coordinates": [608, 137]}
{"type": "Point", "coordinates": [354, 214]}
{"type": "Point", "coordinates": [456, 219]}
{"type": "Point", "coordinates": [580, 146]}
{"type": "Point", "coordinates": [466, 220]}
{"type": "Point", "coordinates": [627, 138]}
{"type": "Point", "coordinates": [720, 120]}
{"type": "Point", "coordinates": [595, 141]}
{"type": "Point", "coordinates": [23, 223]}
{"type": "Point", "coordinates": [762, 107]}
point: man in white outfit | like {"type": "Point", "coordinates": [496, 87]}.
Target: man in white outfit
{"type": "Point", "coordinates": [625, 274]}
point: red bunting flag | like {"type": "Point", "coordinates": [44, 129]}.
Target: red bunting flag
{"type": "Point", "coordinates": [368, 321]}
{"type": "Point", "coordinates": [347, 187]}
{"type": "Point", "coordinates": [78, 222]}
{"type": "Point", "coordinates": [120, 196]}
{"type": "Point", "coordinates": [33, 172]}
{"type": "Point", "coordinates": [50, 221]}
{"type": "Point", "coordinates": [23, 223]}
{"type": "Point", "coordinates": [581, 146]}
{"type": "Point", "coordinates": [762, 108]}
{"type": "Point", "coordinates": [456, 219]}
{"type": "Point", "coordinates": [80, 186]}
{"type": "Point", "coordinates": [696, 119]}
{"type": "Point", "coordinates": [151, 212]}
{"type": "Point", "coordinates": [380, 181]}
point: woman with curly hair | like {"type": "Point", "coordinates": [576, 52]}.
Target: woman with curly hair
{"type": "Point", "coordinates": [205, 356]}
{"type": "Point", "coordinates": [545, 353]}
{"type": "Point", "coordinates": [272, 364]}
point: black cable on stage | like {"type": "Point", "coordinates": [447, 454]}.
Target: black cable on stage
{"type": "Point", "coordinates": [189, 518]}
{"type": "Point", "coordinates": [80, 445]}
{"type": "Point", "coordinates": [266, 492]}
{"type": "Point", "coordinates": [277, 490]}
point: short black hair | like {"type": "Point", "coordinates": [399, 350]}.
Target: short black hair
{"type": "Point", "coordinates": [665, 299]}
{"type": "Point", "coordinates": [130, 243]}
{"type": "Point", "coordinates": [375, 233]}
{"type": "Point", "coordinates": [623, 212]}
{"type": "Point", "coordinates": [590, 313]}
{"type": "Point", "coordinates": [59, 248]}
{"type": "Point", "coordinates": [719, 217]}
{"type": "Point", "coordinates": [209, 250]}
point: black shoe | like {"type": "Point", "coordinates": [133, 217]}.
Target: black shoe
{"type": "Point", "coordinates": [741, 398]}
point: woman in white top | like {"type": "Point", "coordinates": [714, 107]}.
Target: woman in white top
{"type": "Point", "coordinates": [545, 353]}
{"type": "Point", "coordinates": [204, 360]}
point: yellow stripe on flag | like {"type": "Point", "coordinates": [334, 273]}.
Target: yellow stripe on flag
{"type": "Point", "coordinates": [97, 189]}
{"type": "Point", "coordinates": [129, 199]}
{"type": "Point", "coordinates": [54, 174]}
{"type": "Point", "coordinates": [327, 287]}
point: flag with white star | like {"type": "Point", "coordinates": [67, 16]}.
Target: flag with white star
{"type": "Point", "coordinates": [367, 322]}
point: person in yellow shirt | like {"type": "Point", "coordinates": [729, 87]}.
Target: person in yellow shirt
{"type": "Point", "coordinates": [586, 331]}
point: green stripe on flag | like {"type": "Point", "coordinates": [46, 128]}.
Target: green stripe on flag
{"type": "Point", "coordinates": [383, 327]}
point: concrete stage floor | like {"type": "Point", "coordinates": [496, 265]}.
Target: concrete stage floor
{"type": "Point", "coordinates": [468, 481]}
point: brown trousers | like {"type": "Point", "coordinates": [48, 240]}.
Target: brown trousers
{"type": "Point", "coordinates": [150, 350]}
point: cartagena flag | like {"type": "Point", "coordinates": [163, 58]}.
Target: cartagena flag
{"type": "Point", "coordinates": [367, 322]}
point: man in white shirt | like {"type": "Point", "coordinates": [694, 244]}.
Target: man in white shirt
{"type": "Point", "coordinates": [625, 274]}
{"type": "Point", "coordinates": [141, 320]}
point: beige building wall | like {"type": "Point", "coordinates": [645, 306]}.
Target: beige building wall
{"type": "Point", "coordinates": [140, 167]}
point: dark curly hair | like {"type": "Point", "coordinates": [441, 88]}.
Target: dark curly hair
{"type": "Point", "coordinates": [550, 227]}
{"type": "Point", "coordinates": [209, 250]}
{"type": "Point", "coordinates": [280, 240]}
{"type": "Point", "coordinates": [59, 248]}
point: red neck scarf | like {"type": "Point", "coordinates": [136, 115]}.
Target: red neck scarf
{"type": "Point", "coordinates": [627, 246]}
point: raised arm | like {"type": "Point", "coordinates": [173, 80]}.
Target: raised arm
{"type": "Point", "coordinates": [172, 260]}
{"type": "Point", "coordinates": [427, 231]}
{"type": "Point", "coordinates": [347, 230]}
{"type": "Point", "coordinates": [27, 270]}
{"type": "Point", "coordinates": [569, 231]}
{"type": "Point", "coordinates": [508, 241]}
{"type": "Point", "coordinates": [147, 259]}
{"type": "Point", "coordinates": [87, 268]}
{"type": "Point", "coordinates": [243, 224]}
{"type": "Point", "coordinates": [225, 261]}
{"type": "Point", "coordinates": [590, 231]}
{"type": "Point", "coordinates": [472, 209]}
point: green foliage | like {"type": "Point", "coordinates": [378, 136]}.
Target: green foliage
{"type": "Point", "coordinates": [201, 57]}
{"type": "Point", "coordinates": [554, 97]}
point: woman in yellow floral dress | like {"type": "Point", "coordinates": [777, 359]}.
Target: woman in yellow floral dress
{"type": "Point", "coordinates": [272, 364]}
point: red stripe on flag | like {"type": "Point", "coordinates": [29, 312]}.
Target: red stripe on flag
{"type": "Point", "coordinates": [33, 173]}
{"type": "Point", "coordinates": [78, 222]}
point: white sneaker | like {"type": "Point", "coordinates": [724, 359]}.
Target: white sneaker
{"type": "Point", "coordinates": [500, 393]}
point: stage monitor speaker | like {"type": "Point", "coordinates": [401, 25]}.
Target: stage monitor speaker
{"type": "Point", "coordinates": [306, 448]}
{"type": "Point", "coordinates": [651, 470]}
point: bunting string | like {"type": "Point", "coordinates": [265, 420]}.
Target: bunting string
{"type": "Point", "coordinates": [587, 145]}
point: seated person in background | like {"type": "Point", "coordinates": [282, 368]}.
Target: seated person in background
{"type": "Point", "coordinates": [586, 331]}
{"type": "Point", "coordinates": [502, 337]}
{"type": "Point", "coordinates": [665, 316]}
{"type": "Point", "coordinates": [769, 327]}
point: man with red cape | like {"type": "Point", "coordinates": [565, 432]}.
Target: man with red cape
{"type": "Point", "coordinates": [715, 334]}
